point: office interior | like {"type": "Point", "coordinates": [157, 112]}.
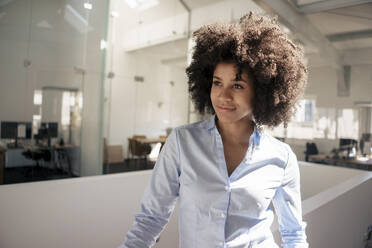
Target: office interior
{"type": "Point", "coordinates": [92, 88]}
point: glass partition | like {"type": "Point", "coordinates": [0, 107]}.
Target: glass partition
{"type": "Point", "coordinates": [109, 77]}
{"type": "Point", "coordinates": [52, 67]}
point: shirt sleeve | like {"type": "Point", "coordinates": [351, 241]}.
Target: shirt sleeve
{"type": "Point", "coordinates": [159, 198]}
{"type": "Point", "coordinates": [287, 204]}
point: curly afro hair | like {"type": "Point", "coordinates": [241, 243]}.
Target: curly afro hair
{"type": "Point", "coordinates": [255, 42]}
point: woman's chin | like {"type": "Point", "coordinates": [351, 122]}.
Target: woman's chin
{"type": "Point", "coordinates": [226, 116]}
{"type": "Point", "coordinates": [233, 116]}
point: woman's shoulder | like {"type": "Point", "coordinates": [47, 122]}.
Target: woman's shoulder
{"type": "Point", "coordinates": [198, 125]}
{"type": "Point", "coordinates": [274, 144]}
{"type": "Point", "coordinates": [198, 130]}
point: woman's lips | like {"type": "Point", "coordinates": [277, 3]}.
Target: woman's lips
{"type": "Point", "coordinates": [225, 109]}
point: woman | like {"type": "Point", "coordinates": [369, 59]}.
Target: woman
{"type": "Point", "coordinates": [225, 171]}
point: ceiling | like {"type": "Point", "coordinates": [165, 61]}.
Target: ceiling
{"type": "Point", "coordinates": [348, 27]}
{"type": "Point", "coordinates": [344, 24]}
{"type": "Point", "coordinates": [194, 4]}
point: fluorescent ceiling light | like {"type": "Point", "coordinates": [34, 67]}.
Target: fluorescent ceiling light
{"type": "Point", "coordinates": [142, 4]}
{"type": "Point", "coordinates": [88, 6]}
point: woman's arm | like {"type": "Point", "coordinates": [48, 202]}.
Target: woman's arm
{"type": "Point", "coordinates": [287, 204]}
{"type": "Point", "coordinates": [159, 198]}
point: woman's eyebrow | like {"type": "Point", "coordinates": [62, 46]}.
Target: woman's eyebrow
{"type": "Point", "coordinates": [236, 80]}
{"type": "Point", "coordinates": [241, 79]}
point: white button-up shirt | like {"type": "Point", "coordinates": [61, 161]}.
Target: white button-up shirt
{"type": "Point", "coordinates": [217, 210]}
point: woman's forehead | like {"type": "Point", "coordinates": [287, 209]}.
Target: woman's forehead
{"type": "Point", "coordinates": [230, 71]}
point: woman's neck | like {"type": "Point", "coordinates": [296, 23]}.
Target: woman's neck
{"type": "Point", "coordinates": [236, 132]}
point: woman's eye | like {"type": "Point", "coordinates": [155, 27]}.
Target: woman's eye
{"type": "Point", "coordinates": [238, 86]}
{"type": "Point", "coordinates": [216, 83]}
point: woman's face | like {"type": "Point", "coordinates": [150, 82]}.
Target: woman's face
{"type": "Point", "coordinates": [232, 98]}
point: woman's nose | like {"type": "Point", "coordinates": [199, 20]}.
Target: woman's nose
{"type": "Point", "coordinates": [225, 94]}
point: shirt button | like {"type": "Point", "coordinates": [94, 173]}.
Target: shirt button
{"type": "Point", "coordinates": [226, 187]}
{"type": "Point", "coordinates": [223, 215]}
{"type": "Point", "coordinates": [221, 243]}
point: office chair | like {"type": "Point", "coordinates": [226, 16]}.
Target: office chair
{"type": "Point", "coordinates": [36, 155]}
{"type": "Point", "coordinates": [311, 149]}
{"type": "Point", "coordinates": [138, 149]}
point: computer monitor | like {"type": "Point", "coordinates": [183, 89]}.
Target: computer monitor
{"type": "Point", "coordinates": [50, 129]}
{"type": "Point", "coordinates": [53, 129]}
{"type": "Point", "coordinates": [9, 130]}
{"type": "Point", "coordinates": [347, 143]}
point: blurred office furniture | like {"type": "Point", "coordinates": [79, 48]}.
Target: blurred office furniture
{"type": "Point", "coordinates": [359, 162]}
{"type": "Point", "coordinates": [112, 153]}
{"type": "Point", "coordinates": [138, 148]}
{"type": "Point", "coordinates": [311, 149]}
{"type": "Point", "coordinates": [37, 155]}
{"type": "Point", "coordinates": [348, 147]}
{"type": "Point", "coordinates": [115, 154]}
{"type": "Point", "coordinates": [345, 156]}
{"type": "Point", "coordinates": [365, 143]}
{"type": "Point", "coordinates": [63, 158]}
{"type": "Point", "coordinates": [139, 136]}
{"type": "Point", "coordinates": [15, 131]}
{"type": "Point", "coordinates": [346, 143]}
{"type": "Point", "coordinates": [2, 164]}
{"type": "Point", "coordinates": [149, 141]}
{"type": "Point", "coordinates": [15, 158]}
{"type": "Point", "coordinates": [32, 158]}
{"type": "Point", "coordinates": [46, 132]}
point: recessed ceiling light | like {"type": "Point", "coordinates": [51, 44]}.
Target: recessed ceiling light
{"type": "Point", "coordinates": [88, 5]}
{"type": "Point", "coordinates": [141, 4]}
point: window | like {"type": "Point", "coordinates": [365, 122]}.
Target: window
{"type": "Point", "coordinates": [348, 123]}
{"type": "Point", "coordinates": [305, 111]}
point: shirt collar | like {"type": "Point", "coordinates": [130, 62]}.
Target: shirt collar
{"type": "Point", "coordinates": [257, 133]}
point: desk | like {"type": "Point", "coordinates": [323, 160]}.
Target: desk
{"type": "Point", "coordinates": [60, 151]}
{"type": "Point", "coordinates": [152, 140]}
{"type": "Point", "coordinates": [2, 164]}
{"type": "Point", "coordinates": [140, 146]}
{"type": "Point", "coordinates": [351, 163]}
{"type": "Point", "coordinates": [15, 158]}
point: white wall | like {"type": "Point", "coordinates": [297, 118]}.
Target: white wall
{"type": "Point", "coordinates": [54, 214]}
